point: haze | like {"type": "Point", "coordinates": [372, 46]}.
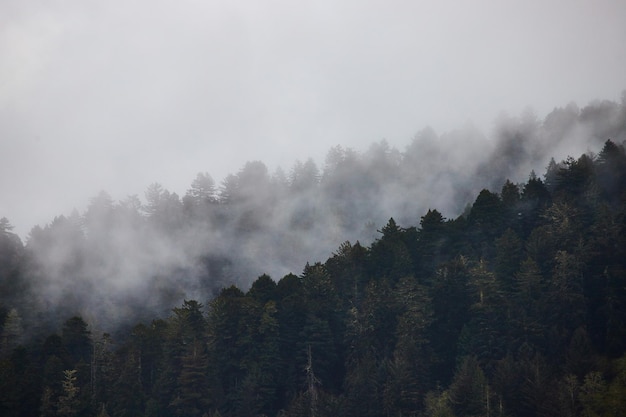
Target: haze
{"type": "Point", "coordinates": [117, 95]}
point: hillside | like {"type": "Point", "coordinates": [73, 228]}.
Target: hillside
{"type": "Point", "coordinates": [516, 307]}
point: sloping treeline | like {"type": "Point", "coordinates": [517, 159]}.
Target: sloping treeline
{"type": "Point", "coordinates": [516, 308]}
{"type": "Point", "coordinates": [119, 262]}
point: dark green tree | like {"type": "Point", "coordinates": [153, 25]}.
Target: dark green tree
{"type": "Point", "coordinates": [484, 337]}
{"type": "Point", "coordinates": [534, 198]}
{"type": "Point", "coordinates": [77, 342]}
{"type": "Point", "coordinates": [192, 397]}
{"type": "Point", "coordinates": [469, 391]}
{"type": "Point", "coordinates": [76, 339]}
{"type": "Point", "coordinates": [409, 370]}
{"type": "Point", "coordinates": [12, 333]}
{"type": "Point", "coordinates": [20, 389]}
{"type": "Point", "coordinates": [263, 289]}
{"type": "Point", "coordinates": [527, 324]}
{"type": "Point", "coordinates": [292, 316]}
{"type": "Point", "coordinates": [232, 320]}
{"type": "Point", "coordinates": [451, 306]}
{"type": "Point", "coordinates": [431, 244]}
{"type": "Point", "coordinates": [509, 255]}
{"type": "Point", "coordinates": [102, 371]}
{"type": "Point", "coordinates": [564, 303]}
{"type": "Point", "coordinates": [346, 268]}
{"type": "Point", "coordinates": [611, 172]}
{"type": "Point", "coordinates": [69, 402]}
{"type": "Point", "coordinates": [487, 214]}
{"type": "Point", "coordinates": [389, 255]}
{"type": "Point", "coordinates": [128, 396]}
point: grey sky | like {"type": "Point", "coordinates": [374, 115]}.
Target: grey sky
{"type": "Point", "coordinates": [116, 95]}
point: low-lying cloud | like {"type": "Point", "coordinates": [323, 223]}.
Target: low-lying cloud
{"type": "Point", "coordinates": [136, 258]}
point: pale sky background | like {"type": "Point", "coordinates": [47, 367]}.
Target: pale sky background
{"type": "Point", "coordinates": [114, 95]}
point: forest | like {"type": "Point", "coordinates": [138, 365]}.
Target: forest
{"type": "Point", "coordinates": [514, 307]}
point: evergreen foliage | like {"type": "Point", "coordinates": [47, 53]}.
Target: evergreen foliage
{"type": "Point", "coordinates": [516, 309]}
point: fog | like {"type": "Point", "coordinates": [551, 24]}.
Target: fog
{"type": "Point", "coordinates": [116, 95]}
{"type": "Point", "coordinates": [120, 261]}
{"type": "Point", "coordinates": [332, 116]}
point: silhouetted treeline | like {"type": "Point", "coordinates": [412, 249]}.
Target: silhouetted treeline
{"type": "Point", "coordinates": [515, 308]}
{"type": "Point", "coordinates": [131, 260]}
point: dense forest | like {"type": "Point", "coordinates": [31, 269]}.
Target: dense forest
{"type": "Point", "coordinates": [515, 307]}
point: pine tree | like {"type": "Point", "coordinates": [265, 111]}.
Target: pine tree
{"type": "Point", "coordinates": [389, 255]}
{"type": "Point", "coordinates": [68, 404]}
{"type": "Point", "coordinates": [431, 243]}
{"type": "Point", "coordinates": [451, 306]}
{"type": "Point", "coordinates": [192, 398]}
{"type": "Point", "coordinates": [509, 252]}
{"type": "Point", "coordinates": [12, 333]}
{"type": "Point", "coordinates": [469, 392]}
{"type": "Point", "coordinates": [409, 370]}
{"type": "Point", "coordinates": [77, 340]}
{"type": "Point", "coordinates": [484, 336]}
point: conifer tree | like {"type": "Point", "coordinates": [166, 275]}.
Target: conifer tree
{"type": "Point", "coordinates": [469, 392]}
{"type": "Point", "coordinates": [192, 397]}
{"type": "Point", "coordinates": [12, 333]}
{"type": "Point", "coordinates": [68, 405]}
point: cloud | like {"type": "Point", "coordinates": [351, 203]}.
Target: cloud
{"type": "Point", "coordinates": [121, 261]}
{"type": "Point", "coordinates": [115, 95]}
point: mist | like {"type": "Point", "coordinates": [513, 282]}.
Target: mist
{"type": "Point", "coordinates": [120, 261]}
{"type": "Point", "coordinates": [119, 95]}
{"type": "Point", "coordinates": [314, 124]}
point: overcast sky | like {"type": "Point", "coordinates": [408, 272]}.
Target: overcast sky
{"type": "Point", "coordinates": [114, 95]}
